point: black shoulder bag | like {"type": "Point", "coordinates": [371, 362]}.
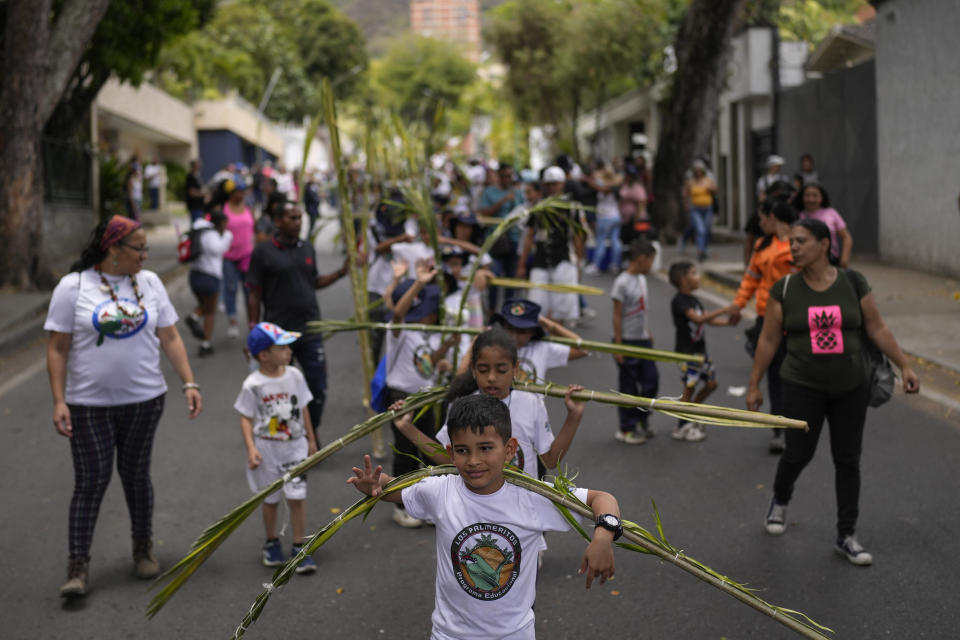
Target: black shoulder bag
{"type": "Point", "coordinates": [879, 371]}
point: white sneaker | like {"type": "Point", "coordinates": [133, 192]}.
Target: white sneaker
{"type": "Point", "coordinates": [588, 312]}
{"type": "Point", "coordinates": [591, 270]}
{"type": "Point", "coordinates": [405, 520]}
{"type": "Point", "coordinates": [776, 522]}
{"type": "Point", "coordinates": [689, 431]}
{"type": "Point", "coordinates": [233, 331]}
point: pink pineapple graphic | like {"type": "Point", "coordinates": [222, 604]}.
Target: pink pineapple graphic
{"type": "Point", "coordinates": [825, 325]}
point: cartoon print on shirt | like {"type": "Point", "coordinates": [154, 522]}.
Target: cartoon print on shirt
{"type": "Point", "coordinates": [526, 372]}
{"type": "Point", "coordinates": [283, 410]}
{"type": "Point", "coordinates": [826, 335]}
{"type": "Point", "coordinates": [114, 321]}
{"type": "Point", "coordinates": [486, 560]}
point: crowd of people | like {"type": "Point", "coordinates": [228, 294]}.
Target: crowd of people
{"type": "Point", "coordinates": [815, 317]}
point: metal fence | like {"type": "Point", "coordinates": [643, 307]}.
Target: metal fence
{"type": "Point", "coordinates": [66, 171]}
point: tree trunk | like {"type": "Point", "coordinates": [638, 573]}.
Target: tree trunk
{"type": "Point", "coordinates": [702, 50]}
{"type": "Point", "coordinates": [40, 54]}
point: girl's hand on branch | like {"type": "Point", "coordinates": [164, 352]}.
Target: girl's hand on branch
{"type": "Point", "coordinates": [425, 272]}
{"type": "Point", "coordinates": [367, 480]}
{"type": "Point", "coordinates": [574, 407]}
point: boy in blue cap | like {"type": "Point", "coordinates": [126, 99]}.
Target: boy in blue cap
{"type": "Point", "coordinates": [273, 414]}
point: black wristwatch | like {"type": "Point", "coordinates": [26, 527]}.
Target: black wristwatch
{"type": "Point", "coordinates": [611, 523]}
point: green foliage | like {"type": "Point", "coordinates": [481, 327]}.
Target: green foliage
{"type": "Point", "coordinates": [176, 180]}
{"type": "Point", "coordinates": [811, 20]}
{"type": "Point", "coordinates": [419, 74]}
{"type": "Point", "coordinates": [563, 57]}
{"type": "Point", "coordinates": [113, 187]}
{"type": "Point", "coordinates": [248, 39]}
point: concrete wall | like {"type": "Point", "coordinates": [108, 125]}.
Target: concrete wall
{"type": "Point", "coordinates": [918, 101]}
{"type": "Point", "coordinates": [834, 119]}
{"type": "Point", "coordinates": [152, 110]}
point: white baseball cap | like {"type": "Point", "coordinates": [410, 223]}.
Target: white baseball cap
{"type": "Point", "coordinates": [554, 174]}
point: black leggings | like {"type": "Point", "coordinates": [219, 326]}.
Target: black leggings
{"type": "Point", "coordinates": [98, 432]}
{"type": "Point", "coordinates": [846, 413]}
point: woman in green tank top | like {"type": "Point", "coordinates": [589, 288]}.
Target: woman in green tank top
{"type": "Point", "coordinates": [822, 312]}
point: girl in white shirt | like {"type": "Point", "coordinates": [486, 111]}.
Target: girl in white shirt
{"type": "Point", "coordinates": [206, 273]}
{"type": "Point", "coordinates": [494, 365]}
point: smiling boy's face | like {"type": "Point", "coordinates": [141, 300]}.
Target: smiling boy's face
{"type": "Point", "coordinates": [480, 458]}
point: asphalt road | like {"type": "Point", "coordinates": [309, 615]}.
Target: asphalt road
{"type": "Point", "coordinates": [376, 580]}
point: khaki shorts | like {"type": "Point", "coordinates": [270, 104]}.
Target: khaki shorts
{"type": "Point", "coordinates": [278, 457]}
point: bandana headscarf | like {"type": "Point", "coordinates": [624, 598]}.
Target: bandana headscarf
{"type": "Point", "coordinates": [117, 228]}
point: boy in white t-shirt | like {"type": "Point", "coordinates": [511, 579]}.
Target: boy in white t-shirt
{"type": "Point", "coordinates": [630, 304]}
{"type": "Point", "coordinates": [489, 532]}
{"type": "Point", "coordinates": [273, 411]}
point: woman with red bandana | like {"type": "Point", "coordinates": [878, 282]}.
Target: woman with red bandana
{"type": "Point", "coordinates": [108, 320]}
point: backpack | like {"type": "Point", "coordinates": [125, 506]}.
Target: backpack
{"type": "Point", "coordinates": [189, 247]}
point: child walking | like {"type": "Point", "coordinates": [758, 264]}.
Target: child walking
{"type": "Point", "coordinates": [493, 368]}
{"type": "Point", "coordinates": [486, 587]}
{"type": "Point", "coordinates": [206, 274]}
{"type": "Point", "coordinates": [630, 327]}
{"type": "Point", "coordinates": [690, 320]}
{"type": "Point", "coordinates": [273, 411]}
{"type": "Point", "coordinates": [413, 360]}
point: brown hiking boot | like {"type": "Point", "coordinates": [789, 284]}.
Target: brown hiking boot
{"type": "Point", "coordinates": [76, 584]}
{"type": "Point", "coordinates": [146, 563]}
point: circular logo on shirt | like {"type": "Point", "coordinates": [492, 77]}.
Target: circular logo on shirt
{"type": "Point", "coordinates": [486, 560]}
{"type": "Point", "coordinates": [526, 372]}
{"type": "Point", "coordinates": [422, 362]}
{"type": "Point", "coordinates": [118, 321]}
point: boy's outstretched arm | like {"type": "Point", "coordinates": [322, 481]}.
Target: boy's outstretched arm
{"type": "Point", "coordinates": [372, 481]}
{"type": "Point", "coordinates": [598, 558]}
{"type": "Point", "coordinates": [708, 317]}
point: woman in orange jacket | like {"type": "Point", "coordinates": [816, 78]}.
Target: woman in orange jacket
{"type": "Point", "coordinates": [771, 260]}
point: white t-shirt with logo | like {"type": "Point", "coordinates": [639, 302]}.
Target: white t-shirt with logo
{"type": "Point", "coordinates": [114, 354]}
{"type": "Point", "coordinates": [275, 404]}
{"type": "Point", "coordinates": [631, 290]}
{"type": "Point", "coordinates": [537, 357]}
{"type": "Point", "coordinates": [487, 549]}
{"type": "Point", "coordinates": [409, 368]}
{"type": "Point", "coordinates": [531, 428]}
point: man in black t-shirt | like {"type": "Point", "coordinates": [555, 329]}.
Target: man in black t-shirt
{"type": "Point", "coordinates": [193, 191]}
{"type": "Point", "coordinates": [283, 277]}
{"type": "Point", "coordinates": [550, 237]}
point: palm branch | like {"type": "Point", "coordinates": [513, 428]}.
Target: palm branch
{"type": "Point", "coordinates": [328, 327]}
{"type": "Point", "coordinates": [517, 283]}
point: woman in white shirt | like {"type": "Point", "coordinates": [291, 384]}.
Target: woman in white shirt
{"type": "Point", "coordinates": [108, 320]}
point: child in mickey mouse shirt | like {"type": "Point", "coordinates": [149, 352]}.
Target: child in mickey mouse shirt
{"type": "Point", "coordinates": [489, 532]}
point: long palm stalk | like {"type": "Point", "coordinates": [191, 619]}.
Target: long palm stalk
{"type": "Point", "coordinates": [640, 540]}
{"type": "Point", "coordinates": [215, 534]}
{"type": "Point", "coordinates": [643, 353]}
{"type": "Point", "coordinates": [517, 283]}
{"type": "Point", "coordinates": [358, 270]}
{"type": "Point", "coordinates": [694, 412]}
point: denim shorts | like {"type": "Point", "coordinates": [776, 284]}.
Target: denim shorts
{"type": "Point", "coordinates": [204, 284]}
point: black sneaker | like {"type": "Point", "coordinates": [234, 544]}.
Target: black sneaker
{"type": "Point", "coordinates": [205, 350]}
{"type": "Point", "coordinates": [854, 551]}
{"type": "Point", "coordinates": [194, 325]}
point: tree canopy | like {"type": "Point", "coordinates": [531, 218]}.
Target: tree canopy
{"type": "Point", "coordinates": [248, 39]}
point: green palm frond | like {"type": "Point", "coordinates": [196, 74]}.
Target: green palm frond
{"type": "Point", "coordinates": [561, 495]}
{"type": "Point", "coordinates": [694, 412]}
{"type": "Point", "coordinates": [328, 327]}
{"type": "Point", "coordinates": [214, 535]}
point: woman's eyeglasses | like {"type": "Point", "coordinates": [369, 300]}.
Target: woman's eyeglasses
{"type": "Point", "coordinates": [141, 250]}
